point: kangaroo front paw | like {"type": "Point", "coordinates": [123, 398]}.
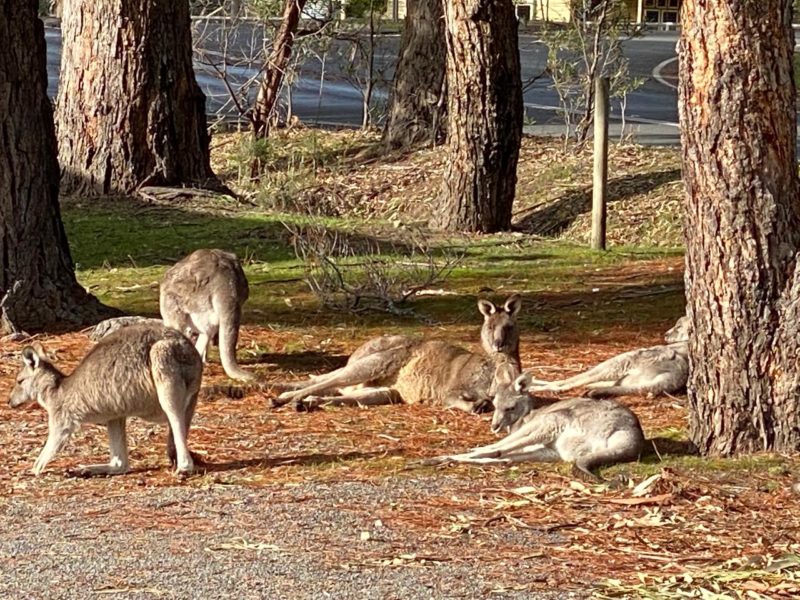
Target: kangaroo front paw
{"type": "Point", "coordinates": [584, 475]}
{"type": "Point", "coordinates": [483, 406]}
{"type": "Point", "coordinates": [307, 404]}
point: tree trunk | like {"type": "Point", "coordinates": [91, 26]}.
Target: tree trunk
{"type": "Point", "coordinates": [275, 69]}
{"type": "Point", "coordinates": [742, 224]}
{"type": "Point", "coordinates": [485, 112]}
{"type": "Point", "coordinates": [417, 110]}
{"type": "Point", "coordinates": [37, 281]}
{"type": "Point", "coordinates": [129, 111]}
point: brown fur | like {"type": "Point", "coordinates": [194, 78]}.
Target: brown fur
{"type": "Point", "coordinates": [400, 368]}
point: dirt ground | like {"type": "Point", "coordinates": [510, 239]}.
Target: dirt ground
{"type": "Point", "coordinates": [333, 503]}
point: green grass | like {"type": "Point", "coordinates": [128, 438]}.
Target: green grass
{"type": "Point", "coordinates": [122, 248]}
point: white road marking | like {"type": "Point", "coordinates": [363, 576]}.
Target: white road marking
{"type": "Point", "coordinates": [657, 72]}
{"type": "Point", "coordinates": [629, 119]}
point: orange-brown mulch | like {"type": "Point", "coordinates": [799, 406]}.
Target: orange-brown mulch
{"type": "Point", "coordinates": [684, 519]}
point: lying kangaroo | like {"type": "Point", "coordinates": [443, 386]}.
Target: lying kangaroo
{"type": "Point", "coordinates": [203, 295]}
{"type": "Point", "coordinates": [653, 371]}
{"type": "Point", "coordinates": [147, 371]}
{"type": "Point", "coordinates": [587, 433]}
{"type": "Point", "coordinates": [402, 369]}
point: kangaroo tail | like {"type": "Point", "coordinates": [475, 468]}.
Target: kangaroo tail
{"type": "Point", "coordinates": [228, 337]}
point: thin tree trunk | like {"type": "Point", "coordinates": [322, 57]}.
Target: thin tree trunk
{"type": "Point", "coordinates": [37, 281]}
{"type": "Point", "coordinates": [485, 113]}
{"type": "Point", "coordinates": [416, 114]}
{"type": "Point", "coordinates": [275, 69]}
{"type": "Point", "coordinates": [129, 111]}
{"type": "Point", "coordinates": [742, 224]}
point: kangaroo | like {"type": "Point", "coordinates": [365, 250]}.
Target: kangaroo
{"type": "Point", "coordinates": [397, 368]}
{"type": "Point", "coordinates": [202, 295]}
{"type": "Point", "coordinates": [652, 371]}
{"type": "Point", "coordinates": [109, 326]}
{"type": "Point", "coordinates": [587, 433]}
{"type": "Point", "coordinates": [147, 371]}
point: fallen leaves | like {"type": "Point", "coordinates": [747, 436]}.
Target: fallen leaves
{"type": "Point", "coordinates": [668, 520]}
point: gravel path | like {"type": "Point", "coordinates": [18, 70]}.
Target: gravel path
{"type": "Point", "coordinates": [297, 541]}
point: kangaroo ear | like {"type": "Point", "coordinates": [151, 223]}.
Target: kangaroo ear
{"type": "Point", "coordinates": [487, 308]}
{"type": "Point", "coordinates": [522, 383]}
{"type": "Point", "coordinates": [30, 357]}
{"type": "Point", "coordinates": [513, 304]}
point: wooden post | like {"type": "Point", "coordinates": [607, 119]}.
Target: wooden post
{"type": "Point", "coordinates": [600, 176]}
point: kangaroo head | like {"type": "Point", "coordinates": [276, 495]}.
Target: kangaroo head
{"type": "Point", "coordinates": [511, 400]}
{"type": "Point", "coordinates": [36, 374]}
{"type": "Point", "coordinates": [500, 332]}
{"type": "Point", "coordinates": [679, 332]}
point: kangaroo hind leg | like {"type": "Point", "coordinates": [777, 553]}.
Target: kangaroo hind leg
{"type": "Point", "coordinates": [118, 451]}
{"type": "Point", "coordinates": [379, 365]}
{"type": "Point", "coordinates": [176, 399]}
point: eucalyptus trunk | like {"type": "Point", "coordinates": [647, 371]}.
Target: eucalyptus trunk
{"type": "Point", "coordinates": [742, 224]}
{"type": "Point", "coordinates": [485, 114]}
{"type": "Point", "coordinates": [129, 110]}
{"type": "Point", "coordinates": [418, 108]}
{"type": "Point", "coordinates": [37, 280]}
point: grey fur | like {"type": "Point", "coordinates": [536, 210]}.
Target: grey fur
{"type": "Point", "coordinates": [109, 326]}
{"type": "Point", "coordinates": [203, 295]}
{"type": "Point", "coordinates": [587, 433]}
{"type": "Point", "coordinates": [652, 371]}
{"type": "Point", "coordinates": [402, 369]}
{"type": "Point", "coordinates": [147, 371]}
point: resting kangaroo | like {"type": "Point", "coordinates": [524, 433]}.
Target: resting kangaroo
{"type": "Point", "coordinates": [653, 371]}
{"type": "Point", "coordinates": [203, 295]}
{"type": "Point", "coordinates": [146, 371]}
{"type": "Point", "coordinates": [587, 433]}
{"type": "Point", "coordinates": [402, 369]}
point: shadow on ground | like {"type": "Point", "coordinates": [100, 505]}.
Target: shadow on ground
{"type": "Point", "coordinates": [299, 460]}
{"type": "Point", "coordinates": [556, 216]}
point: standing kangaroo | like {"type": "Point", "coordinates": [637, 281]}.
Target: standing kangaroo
{"type": "Point", "coordinates": [587, 433]}
{"type": "Point", "coordinates": [203, 295]}
{"type": "Point", "coordinates": [147, 371]}
{"type": "Point", "coordinates": [653, 371]}
{"type": "Point", "coordinates": [402, 369]}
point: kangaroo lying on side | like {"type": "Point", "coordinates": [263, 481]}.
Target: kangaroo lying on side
{"type": "Point", "coordinates": [653, 371]}
{"type": "Point", "coordinates": [203, 295]}
{"type": "Point", "coordinates": [587, 433]}
{"type": "Point", "coordinates": [403, 369]}
{"type": "Point", "coordinates": [146, 371]}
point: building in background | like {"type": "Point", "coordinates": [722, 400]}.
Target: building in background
{"type": "Point", "coordinates": [652, 12]}
{"type": "Point", "coordinates": [659, 13]}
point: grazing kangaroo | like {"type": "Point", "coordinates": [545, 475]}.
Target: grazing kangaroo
{"type": "Point", "coordinates": [587, 433]}
{"type": "Point", "coordinates": [203, 295]}
{"type": "Point", "coordinates": [147, 371]}
{"type": "Point", "coordinates": [397, 368]}
{"type": "Point", "coordinates": [653, 371]}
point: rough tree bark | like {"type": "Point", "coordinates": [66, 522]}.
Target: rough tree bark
{"type": "Point", "coordinates": [37, 281]}
{"type": "Point", "coordinates": [742, 224]}
{"type": "Point", "coordinates": [129, 111]}
{"type": "Point", "coordinates": [275, 69]}
{"type": "Point", "coordinates": [485, 113]}
{"type": "Point", "coordinates": [417, 110]}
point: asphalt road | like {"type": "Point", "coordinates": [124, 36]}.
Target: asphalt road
{"type": "Point", "coordinates": [328, 92]}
